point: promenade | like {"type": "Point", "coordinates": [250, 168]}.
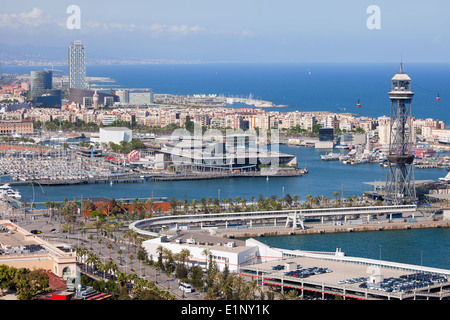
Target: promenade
{"type": "Point", "coordinates": [381, 225]}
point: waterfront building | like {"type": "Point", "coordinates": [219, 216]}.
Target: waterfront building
{"type": "Point", "coordinates": [326, 138]}
{"type": "Point", "coordinates": [107, 119]}
{"type": "Point", "coordinates": [140, 96]}
{"type": "Point", "coordinates": [40, 82]}
{"type": "Point", "coordinates": [77, 65]}
{"type": "Point", "coordinates": [42, 93]}
{"type": "Point", "coordinates": [352, 139]}
{"type": "Point", "coordinates": [79, 96]}
{"type": "Point", "coordinates": [136, 97]}
{"type": "Point", "coordinates": [11, 127]}
{"type": "Point", "coordinates": [240, 152]}
{"type": "Point", "coordinates": [205, 249]}
{"type": "Point", "coordinates": [115, 134]}
{"type": "Point", "coordinates": [22, 249]}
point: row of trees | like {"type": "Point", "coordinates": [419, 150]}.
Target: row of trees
{"type": "Point", "coordinates": [142, 289]}
{"type": "Point", "coordinates": [115, 212]}
{"type": "Point", "coordinates": [239, 204]}
{"type": "Point", "coordinates": [25, 282]}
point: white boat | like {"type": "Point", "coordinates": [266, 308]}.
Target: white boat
{"type": "Point", "coordinates": [446, 178]}
{"type": "Point", "coordinates": [7, 191]}
{"type": "Point", "coordinates": [445, 140]}
{"type": "Point", "coordinates": [330, 156]}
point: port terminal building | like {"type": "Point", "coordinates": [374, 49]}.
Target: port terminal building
{"type": "Point", "coordinates": [236, 152]}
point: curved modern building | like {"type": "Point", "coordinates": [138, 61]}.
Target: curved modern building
{"type": "Point", "coordinates": [40, 82]}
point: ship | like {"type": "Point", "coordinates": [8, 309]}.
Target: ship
{"type": "Point", "coordinates": [330, 156]}
{"type": "Point", "coordinates": [7, 191]}
{"type": "Point", "coordinates": [446, 178]}
{"type": "Point", "coordinates": [445, 140]}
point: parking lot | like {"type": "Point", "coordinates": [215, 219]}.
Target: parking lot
{"type": "Point", "coordinates": [337, 276]}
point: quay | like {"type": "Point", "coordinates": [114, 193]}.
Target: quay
{"type": "Point", "coordinates": [289, 220]}
{"type": "Point", "coordinates": [139, 178]}
{"type": "Point", "coordinates": [267, 231]}
{"type": "Point", "coordinates": [126, 179]}
{"type": "Point", "coordinates": [228, 175]}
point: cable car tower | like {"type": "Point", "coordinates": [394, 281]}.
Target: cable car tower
{"type": "Point", "coordinates": [400, 186]}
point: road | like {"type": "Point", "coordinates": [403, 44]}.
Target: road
{"type": "Point", "coordinates": [148, 272]}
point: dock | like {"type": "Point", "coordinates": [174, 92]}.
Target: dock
{"type": "Point", "coordinates": [229, 175]}
{"type": "Point", "coordinates": [60, 182]}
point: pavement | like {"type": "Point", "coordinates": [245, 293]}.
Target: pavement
{"type": "Point", "coordinates": [147, 272]}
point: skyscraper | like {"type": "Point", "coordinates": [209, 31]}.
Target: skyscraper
{"type": "Point", "coordinates": [77, 65]}
{"type": "Point", "coordinates": [40, 82]}
{"type": "Point", "coordinates": [42, 93]}
{"type": "Point", "coordinates": [400, 185]}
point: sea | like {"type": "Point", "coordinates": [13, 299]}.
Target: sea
{"type": "Point", "coordinates": [304, 87]}
{"type": "Point", "coordinates": [334, 87]}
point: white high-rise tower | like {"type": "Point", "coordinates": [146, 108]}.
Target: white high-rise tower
{"type": "Point", "coordinates": [77, 65]}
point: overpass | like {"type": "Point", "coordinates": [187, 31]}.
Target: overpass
{"type": "Point", "coordinates": [291, 218]}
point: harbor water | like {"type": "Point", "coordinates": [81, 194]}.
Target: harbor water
{"type": "Point", "coordinates": [323, 178]}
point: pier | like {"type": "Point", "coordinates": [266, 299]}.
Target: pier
{"type": "Point", "coordinates": [56, 182]}
{"type": "Point", "coordinates": [333, 273]}
{"type": "Point", "coordinates": [290, 220]}
{"type": "Point", "coordinates": [228, 175]}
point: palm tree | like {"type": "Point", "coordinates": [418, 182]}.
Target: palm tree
{"type": "Point", "coordinates": [246, 293]}
{"type": "Point", "coordinates": [253, 285]}
{"type": "Point", "coordinates": [206, 252]}
{"type": "Point", "coordinates": [295, 198]}
{"type": "Point", "coordinates": [160, 251]}
{"type": "Point", "coordinates": [91, 260]}
{"type": "Point", "coordinates": [194, 203]}
{"type": "Point", "coordinates": [131, 257]}
{"type": "Point", "coordinates": [184, 255]}
{"type": "Point", "coordinates": [335, 195]}
{"type": "Point", "coordinates": [150, 204]}
{"type": "Point", "coordinates": [225, 202]}
{"type": "Point", "coordinates": [310, 198]}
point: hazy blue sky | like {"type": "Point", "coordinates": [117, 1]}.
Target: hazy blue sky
{"type": "Point", "coordinates": [237, 30]}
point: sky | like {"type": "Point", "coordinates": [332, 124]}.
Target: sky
{"type": "Point", "coordinates": [232, 30]}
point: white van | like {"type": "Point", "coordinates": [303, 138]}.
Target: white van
{"type": "Point", "coordinates": [186, 287]}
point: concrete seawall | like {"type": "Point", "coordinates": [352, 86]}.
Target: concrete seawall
{"type": "Point", "coordinates": [318, 229]}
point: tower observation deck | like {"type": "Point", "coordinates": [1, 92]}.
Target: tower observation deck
{"type": "Point", "coordinates": [400, 186]}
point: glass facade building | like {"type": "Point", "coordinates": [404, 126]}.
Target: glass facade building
{"type": "Point", "coordinates": [40, 82]}
{"type": "Point", "coordinates": [77, 65]}
{"type": "Point", "coordinates": [326, 134]}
